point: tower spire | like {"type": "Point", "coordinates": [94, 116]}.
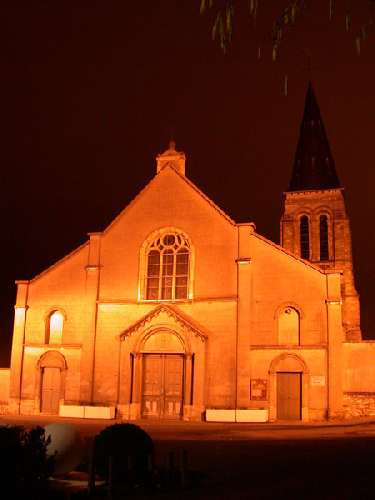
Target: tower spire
{"type": "Point", "coordinates": [314, 167]}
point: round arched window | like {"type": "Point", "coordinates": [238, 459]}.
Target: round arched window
{"type": "Point", "coordinates": [55, 326]}
{"type": "Point", "coordinates": [167, 275]}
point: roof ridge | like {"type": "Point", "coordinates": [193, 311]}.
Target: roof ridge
{"type": "Point", "coordinates": [60, 261]}
{"type": "Point", "coordinates": [289, 253]}
{"type": "Point", "coordinates": [153, 179]}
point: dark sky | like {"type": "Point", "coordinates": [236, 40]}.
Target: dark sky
{"type": "Point", "coordinates": [91, 91]}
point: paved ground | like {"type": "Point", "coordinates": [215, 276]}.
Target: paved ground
{"type": "Point", "coordinates": [192, 431]}
{"type": "Point", "coordinates": [333, 460]}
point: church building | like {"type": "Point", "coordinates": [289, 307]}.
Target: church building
{"type": "Point", "coordinates": [175, 311]}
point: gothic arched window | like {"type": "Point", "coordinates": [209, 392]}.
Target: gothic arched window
{"type": "Point", "coordinates": [304, 233]}
{"type": "Point", "coordinates": [323, 235]}
{"type": "Point", "coordinates": [289, 320]}
{"type": "Point", "coordinates": [54, 328]}
{"type": "Point", "coordinates": [167, 275]}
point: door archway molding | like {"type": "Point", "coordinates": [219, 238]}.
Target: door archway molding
{"type": "Point", "coordinates": [292, 363]}
{"type": "Point", "coordinates": [49, 359]}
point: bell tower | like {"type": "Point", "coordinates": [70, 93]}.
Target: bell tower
{"type": "Point", "coordinates": [315, 223]}
{"type": "Point", "coordinates": [172, 158]}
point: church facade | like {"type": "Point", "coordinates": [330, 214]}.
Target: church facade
{"type": "Point", "coordinates": [175, 311]}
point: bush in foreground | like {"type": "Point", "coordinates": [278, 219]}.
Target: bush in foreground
{"type": "Point", "coordinates": [127, 450]}
{"type": "Point", "coordinates": [24, 464]}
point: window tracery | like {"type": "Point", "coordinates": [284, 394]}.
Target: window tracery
{"type": "Point", "coordinates": [167, 276]}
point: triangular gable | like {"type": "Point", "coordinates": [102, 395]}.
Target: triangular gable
{"type": "Point", "coordinates": [182, 319]}
{"type": "Point", "coordinates": [58, 262]}
{"type": "Point", "coordinates": [186, 180]}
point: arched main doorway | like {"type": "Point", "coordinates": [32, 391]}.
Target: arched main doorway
{"type": "Point", "coordinates": [162, 376]}
{"type": "Point", "coordinates": [51, 365]}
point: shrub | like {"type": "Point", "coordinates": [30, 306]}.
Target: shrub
{"type": "Point", "coordinates": [131, 450]}
{"type": "Point", "coordinates": [25, 466]}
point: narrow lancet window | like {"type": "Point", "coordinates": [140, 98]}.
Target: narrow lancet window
{"type": "Point", "coordinates": [54, 328]}
{"type": "Point", "coordinates": [323, 233]}
{"type": "Point", "coordinates": [304, 237]}
{"type": "Point", "coordinates": [289, 325]}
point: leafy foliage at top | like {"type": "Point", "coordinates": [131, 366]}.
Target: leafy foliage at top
{"type": "Point", "coordinates": [224, 13]}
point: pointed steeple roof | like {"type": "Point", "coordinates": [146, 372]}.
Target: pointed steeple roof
{"type": "Point", "coordinates": [314, 167]}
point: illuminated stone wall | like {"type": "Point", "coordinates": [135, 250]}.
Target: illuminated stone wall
{"type": "Point", "coordinates": [359, 404]}
{"type": "Point", "coordinates": [4, 390]}
{"type": "Point", "coordinates": [230, 328]}
{"type": "Point", "coordinates": [331, 203]}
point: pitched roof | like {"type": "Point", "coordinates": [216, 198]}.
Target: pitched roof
{"type": "Point", "coordinates": [314, 167]}
{"type": "Point", "coordinates": [184, 179]}
{"type": "Point", "coordinates": [290, 254]}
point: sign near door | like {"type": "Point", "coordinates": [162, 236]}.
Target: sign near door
{"type": "Point", "coordinates": [319, 380]}
{"type": "Point", "coordinates": [258, 389]}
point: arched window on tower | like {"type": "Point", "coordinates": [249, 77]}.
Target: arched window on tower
{"type": "Point", "coordinates": [323, 235]}
{"type": "Point", "coordinates": [289, 326]}
{"type": "Point", "coordinates": [304, 232]}
{"type": "Point", "coordinates": [54, 328]}
{"type": "Point", "coordinates": [168, 268]}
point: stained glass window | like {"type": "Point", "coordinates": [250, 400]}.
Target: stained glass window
{"type": "Point", "coordinates": [168, 268]}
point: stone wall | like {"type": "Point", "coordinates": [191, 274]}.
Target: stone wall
{"type": "Point", "coordinates": [359, 404]}
{"type": "Point", "coordinates": [4, 390]}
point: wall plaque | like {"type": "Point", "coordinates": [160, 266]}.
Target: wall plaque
{"type": "Point", "coordinates": [258, 389]}
{"type": "Point", "coordinates": [319, 380]}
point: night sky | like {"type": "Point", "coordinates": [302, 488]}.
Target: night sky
{"type": "Point", "coordinates": [91, 91]}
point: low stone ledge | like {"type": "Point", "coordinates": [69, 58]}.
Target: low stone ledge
{"type": "Point", "coordinates": [103, 412]}
{"type": "Point", "coordinates": [247, 415]}
{"type": "Point", "coordinates": [78, 411]}
{"type": "Point", "coordinates": [73, 411]}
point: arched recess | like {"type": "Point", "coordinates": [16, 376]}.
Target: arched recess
{"type": "Point", "coordinates": [304, 236]}
{"type": "Point", "coordinates": [324, 237]}
{"type": "Point", "coordinates": [290, 331]}
{"type": "Point", "coordinates": [163, 340]}
{"type": "Point", "coordinates": [288, 323]}
{"type": "Point", "coordinates": [55, 321]}
{"type": "Point", "coordinates": [51, 374]}
{"type": "Point", "coordinates": [289, 384]}
{"type": "Point", "coordinates": [322, 229]}
{"type": "Point", "coordinates": [172, 268]}
{"type": "Point", "coordinates": [173, 351]}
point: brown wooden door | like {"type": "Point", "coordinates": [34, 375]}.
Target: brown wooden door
{"type": "Point", "coordinates": [288, 396]}
{"type": "Point", "coordinates": [51, 384]}
{"type": "Point", "coordinates": [162, 385]}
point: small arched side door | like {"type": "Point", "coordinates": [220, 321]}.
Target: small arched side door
{"type": "Point", "coordinates": [51, 365]}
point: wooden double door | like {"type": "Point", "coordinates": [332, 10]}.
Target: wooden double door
{"type": "Point", "coordinates": [289, 395]}
{"type": "Point", "coordinates": [162, 387]}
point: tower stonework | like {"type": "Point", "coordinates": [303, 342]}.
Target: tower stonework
{"type": "Point", "coordinates": [315, 223]}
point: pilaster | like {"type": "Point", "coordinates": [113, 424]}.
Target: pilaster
{"type": "Point", "coordinates": [335, 345]}
{"type": "Point", "coordinates": [90, 306]}
{"type": "Point", "coordinates": [16, 363]}
{"type": "Point", "coordinates": [244, 300]}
